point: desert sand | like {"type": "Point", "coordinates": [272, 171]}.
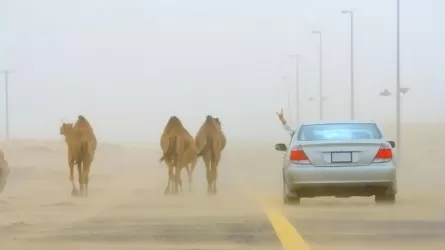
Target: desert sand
{"type": "Point", "coordinates": [126, 207]}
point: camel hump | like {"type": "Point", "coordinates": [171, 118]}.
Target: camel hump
{"type": "Point", "coordinates": [81, 120]}
{"type": "Point", "coordinates": [82, 123]}
{"type": "Point", "coordinates": [83, 129]}
{"type": "Point", "coordinates": [174, 124]}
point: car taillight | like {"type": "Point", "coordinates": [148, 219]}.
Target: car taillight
{"type": "Point", "coordinates": [298, 156]}
{"type": "Point", "coordinates": [384, 154]}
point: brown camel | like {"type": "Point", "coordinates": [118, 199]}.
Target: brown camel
{"type": "Point", "coordinates": [178, 152]}
{"type": "Point", "coordinates": [210, 142]}
{"type": "Point", "coordinates": [82, 144]}
{"type": "Point", "coordinates": [4, 171]}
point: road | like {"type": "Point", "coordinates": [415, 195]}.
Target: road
{"type": "Point", "coordinates": [226, 222]}
{"type": "Point", "coordinates": [129, 210]}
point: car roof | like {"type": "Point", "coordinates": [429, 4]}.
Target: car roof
{"type": "Point", "coordinates": [337, 122]}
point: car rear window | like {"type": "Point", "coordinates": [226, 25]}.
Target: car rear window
{"type": "Point", "coordinates": [339, 131]}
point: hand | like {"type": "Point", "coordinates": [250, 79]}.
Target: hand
{"type": "Point", "coordinates": [281, 116]}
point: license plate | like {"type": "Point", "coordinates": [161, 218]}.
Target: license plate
{"type": "Point", "coordinates": [341, 157]}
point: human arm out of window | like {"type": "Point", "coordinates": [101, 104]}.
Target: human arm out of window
{"type": "Point", "coordinates": [290, 130]}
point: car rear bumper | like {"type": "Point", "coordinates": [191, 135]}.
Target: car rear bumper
{"type": "Point", "coordinates": [374, 176]}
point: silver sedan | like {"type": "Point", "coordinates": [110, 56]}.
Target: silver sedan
{"type": "Point", "coordinates": [340, 159]}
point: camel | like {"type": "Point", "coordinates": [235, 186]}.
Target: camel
{"type": "Point", "coordinates": [210, 142]}
{"type": "Point", "coordinates": [179, 152]}
{"type": "Point", "coordinates": [82, 144]}
{"type": "Point", "coordinates": [4, 171]}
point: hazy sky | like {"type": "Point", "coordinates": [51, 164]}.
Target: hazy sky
{"type": "Point", "coordinates": [129, 65]}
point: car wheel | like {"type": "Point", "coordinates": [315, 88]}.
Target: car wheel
{"type": "Point", "coordinates": [295, 200]}
{"type": "Point", "coordinates": [385, 198]}
{"type": "Point", "coordinates": [290, 200]}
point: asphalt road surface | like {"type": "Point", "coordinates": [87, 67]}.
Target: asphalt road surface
{"type": "Point", "coordinates": [231, 220]}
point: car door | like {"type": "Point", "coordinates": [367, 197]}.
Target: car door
{"type": "Point", "coordinates": [285, 160]}
{"type": "Point", "coordinates": [286, 154]}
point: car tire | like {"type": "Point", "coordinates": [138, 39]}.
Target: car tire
{"type": "Point", "coordinates": [385, 198]}
{"type": "Point", "coordinates": [291, 200]}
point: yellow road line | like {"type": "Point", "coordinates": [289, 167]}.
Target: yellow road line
{"type": "Point", "coordinates": [286, 233]}
{"type": "Point", "coordinates": [289, 238]}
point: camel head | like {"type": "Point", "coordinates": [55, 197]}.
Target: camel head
{"type": "Point", "coordinates": [66, 129]}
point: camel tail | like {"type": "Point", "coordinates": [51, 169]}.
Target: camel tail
{"type": "Point", "coordinates": [83, 152]}
{"type": "Point", "coordinates": [170, 149]}
{"type": "Point", "coordinates": [207, 147]}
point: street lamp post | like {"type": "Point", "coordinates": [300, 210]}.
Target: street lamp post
{"type": "Point", "coordinates": [297, 87]}
{"type": "Point", "coordinates": [7, 73]}
{"type": "Point", "coordinates": [321, 71]}
{"type": "Point", "coordinates": [398, 84]}
{"type": "Point", "coordinates": [386, 93]}
{"type": "Point", "coordinates": [351, 14]}
{"type": "Point", "coordinates": [288, 91]}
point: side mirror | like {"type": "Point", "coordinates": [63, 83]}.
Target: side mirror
{"type": "Point", "coordinates": [392, 143]}
{"type": "Point", "coordinates": [280, 147]}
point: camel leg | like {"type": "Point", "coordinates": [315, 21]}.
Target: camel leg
{"type": "Point", "coordinates": [167, 188]}
{"type": "Point", "coordinates": [180, 179]}
{"type": "Point", "coordinates": [178, 167]}
{"type": "Point", "coordinates": [170, 179]}
{"type": "Point", "coordinates": [177, 179]}
{"type": "Point", "coordinates": [214, 171]}
{"type": "Point", "coordinates": [208, 174]}
{"type": "Point", "coordinates": [173, 181]}
{"type": "Point", "coordinates": [190, 174]}
{"type": "Point", "coordinates": [80, 172]}
{"type": "Point", "coordinates": [86, 174]}
{"type": "Point", "coordinates": [214, 168]}
{"type": "Point", "coordinates": [74, 191]}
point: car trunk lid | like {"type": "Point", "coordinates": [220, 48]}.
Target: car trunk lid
{"type": "Point", "coordinates": [341, 153]}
